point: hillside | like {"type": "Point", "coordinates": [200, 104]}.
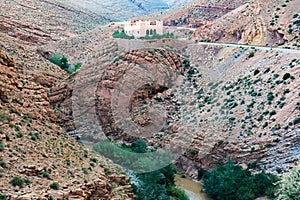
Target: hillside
{"type": "Point", "coordinates": [196, 13]}
{"type": "Point", "coordinates": [258, 23]}
{"type": "Point", "coordinates": [40, 22]}
{"type": "Point", "coordinates": [44, 21]}
{"type": "Point", "coordinates": [38, 158]}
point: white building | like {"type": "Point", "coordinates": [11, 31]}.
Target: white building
{"type": "Point", "coordinates": [143, 28]}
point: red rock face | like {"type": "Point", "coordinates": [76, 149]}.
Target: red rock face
{"type": "Point", "coordinates": [158, 58]}
{"type": "Point", "coordinates": [114, 72]}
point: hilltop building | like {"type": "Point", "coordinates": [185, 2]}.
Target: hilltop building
{"type": "Point", "coordinates": [143, 28]}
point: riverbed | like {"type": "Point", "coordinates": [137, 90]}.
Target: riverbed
{"type": "Point", "coordinates": [191, 188]}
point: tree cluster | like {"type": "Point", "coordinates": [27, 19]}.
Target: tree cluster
{"type": "Point", "coordinates": [231, 182]}
{"type": "Point", "coordinates": [63, 63]}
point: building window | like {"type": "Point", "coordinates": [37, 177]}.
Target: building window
{"type": "Point", "coordinates": [147, 32]}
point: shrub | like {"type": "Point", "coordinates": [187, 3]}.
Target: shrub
{"type": "Point", "coordinates": [2, 197]}
{"type": "Point", "coordinates": [251, 54]}
{"type": "Point", "coordinates": [260, 118]}
{"type": "Point", "coordinates": [56, 59]}
{"type": "Point", "coordinates": [54, 186]}
{"type": "Point", "coordinates": [1, 145]}
{"type": "Point", "coordinates": [289, 187]}
{"type": "Point", "coordinates": [19, 134]}
{"type": "Point", "coordinates": [85, 170]}
{"type": "Point", "coordinates": [270, 96]}
{"type": "Point", "coordinates": [17, 181]}
{"type": "Point", "coordinates": [36, 136]}
{"type": "Point", "coordinates": [4, 116]}
{"type": "Point", "coordinates": [177, 193]}
{"type": "Point", "coordinates": [256, 72]}
{"type": "Point", "coordinates": [46, 175]}
{"type": "Point", "coordinates": [273, 112]}
{"type": "Point", "coordinates": [93, 160]}
{"type": "Point", "coordinates": [2, 163]}
{"type": "Point", "coordinates": [192, 152]}
{"type": "Point", "coordinates": [107, 171]}
{"type": "Point", "coordinates": [286, 76]}
{"type": "Point", "coordinates": [27, 181]}
{"type": "Point", "coordinates": [297, 120]}
{"type": "Point", "coordinates": [157, 36]}
{"type": "Point", "coordinates": [122, 34]}
{"type": "Point", "coordinates": [201, 173]}
{"type": "Point", "coordinates": [139, 146]}
{"type": "Point", "coordinates": [62, 62]}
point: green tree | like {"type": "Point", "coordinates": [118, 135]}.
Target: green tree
{"type": "Point", "coordinates": [139, 146]}
{"type": "Point", "coordinates": [64, 63]}
{"type": "Point", "coordinates": [56, 59]}
{"type": "Point", "coordinates": [231, 182]}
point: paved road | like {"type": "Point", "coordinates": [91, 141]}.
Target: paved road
{"type": "Point", "coordinates": [249, 46]}
{"type": "Point", "coordinates": [185, 28]}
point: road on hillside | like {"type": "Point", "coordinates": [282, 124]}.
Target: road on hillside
{"type": "Point", "coordinates": [251, 46]}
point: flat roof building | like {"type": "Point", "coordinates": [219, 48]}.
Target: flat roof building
{"type": "Point", "coordinates": [143, 28]}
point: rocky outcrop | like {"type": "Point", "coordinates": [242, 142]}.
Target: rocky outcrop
{"type": "Point", "coordinates": [114, 72]}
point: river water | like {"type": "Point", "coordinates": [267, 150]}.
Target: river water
{"type": "Point", "coordinates": [192, 188]}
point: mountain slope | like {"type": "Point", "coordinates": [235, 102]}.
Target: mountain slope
{"type": "Point", "coordinates": [258, 22]}
{"type": "Point", "coordinates": [119, 10]}
{"type": "Point", "coordinates": [38, 158]}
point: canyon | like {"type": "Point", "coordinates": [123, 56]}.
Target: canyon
{"type": "Point", "coordinates": [214, 102]}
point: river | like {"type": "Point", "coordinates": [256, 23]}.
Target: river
{"type": "Point", "coordinates": [192, 188]}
